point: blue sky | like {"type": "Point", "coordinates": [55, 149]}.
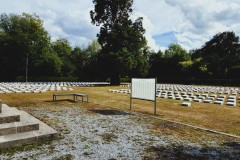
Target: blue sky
{"type": "Point", "coordinates": [189, 23]}
{"type": "Point", "coordinates": [165, 39]}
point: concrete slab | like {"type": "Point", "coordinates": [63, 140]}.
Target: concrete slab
{"type": "Point", "coordinates": [222, 96]}
{"type": "Point", "coordinates": [179, 98]}
{"type": "Point", "coordinates": [211, 98]}
{"type": "Point", "coordinates": [197, 100]}
{"type": "Point", "coordinates": [232, 97]}
{"type": "Point", "coordinates": [187, 104]}
{"type": "Point", "coordinates": [220, 99]}
{"type": "Point", "coordinates": [188, 99]}
{"type": "Point", "coordinates": [193, 97]}
{"type": "Point", "coordinates": [9, 114]}
{"type": "Point", "coordinates": [231, 100]}
{"type": "Point", "coordinates": [207, 101]}
{"type": "Point", "coordinates": [213, 95]}
{"type": "Point", "coordinates": [218, 102]}
{"type": "Point", "coordinates": [26, 124]}
{"type": "Point", "coordinates": [17, 127]}
{"type": "Point", "coordinates": [32, 135]}
{"type": "Point", "coordinates": [231, 103]}
{"type": "Point", "coordinates": [204, 95]}
{"type": "Point", "coordinates": [201, 97]}
{"type": "Point", "coordinates": [163, 96]}
{"type": "Point", "coordinates": [0, 106]}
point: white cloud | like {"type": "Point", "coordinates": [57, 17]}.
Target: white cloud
{"type": "Point", "coordinates": [62, 19]}
{"type": "Point", "coordinates": [201, 20]}
{"type": "Point", "coordinates": [190, 22]}
{"type": "Point", "coordinates": [148, 26]}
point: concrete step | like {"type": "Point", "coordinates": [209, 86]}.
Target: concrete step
{"type": "Point", "coordinates": [28, 123]}
{"type": "Point", "coordinates": [9, 114]}
{"type": "Point", "coordinates": [9, 118]}
{"type": "Point", "coordinates": [18, 127]}
{"type": "Point", "coordinates": [0, 106]}
{"type": "Point", "coordinates": [19, 139]}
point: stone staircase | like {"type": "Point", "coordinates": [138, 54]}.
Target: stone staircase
{"type": "Point", "coordinates": [18, 127]}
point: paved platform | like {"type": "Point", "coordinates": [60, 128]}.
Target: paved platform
{"type": "Point", "coordinates": [25, 129]}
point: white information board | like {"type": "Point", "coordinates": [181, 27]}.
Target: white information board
{"type": "Point", "coordinates": [144, 89]}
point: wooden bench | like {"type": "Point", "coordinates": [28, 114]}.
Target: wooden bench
{"type": "Point", "coordinates": [74, 95]}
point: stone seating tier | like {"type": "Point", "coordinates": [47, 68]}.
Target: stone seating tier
{"type": "Point", "coordinates": [18, 127]}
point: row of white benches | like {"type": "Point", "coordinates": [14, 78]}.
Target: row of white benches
{"type": "Point", "coordinates": [230, 100]}
{"type": "Point", "coordinates": [198, 89]}
{"type": "Point", "coordinates": [40, 87]}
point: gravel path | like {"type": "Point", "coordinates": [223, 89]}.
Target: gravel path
{"type": "Point", "coordinates": [105, 134]}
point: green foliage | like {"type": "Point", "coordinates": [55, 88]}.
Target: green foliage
{"type": "Point", "coordinates": [175, 51]}
{"type": "Point", "coordinates": [185, 65]}
{"type": "Point", "coordinates": [122, 40]}
{"type": "Point", "coordinates": [52, 64]}
{"type": "Point", "coordinates": [171, 62]}
{"type": "Point", "coordinates": [221, 54]}
{"type": "Point", "coordinates": [63, 49]}
{"type": "Point", "coordinates": [21, 36]}
{"type": "Point", "coordinates": [119, 52]}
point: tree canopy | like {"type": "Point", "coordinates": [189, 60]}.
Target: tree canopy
{"type": "Point", "coordinates": [21, 36]}
{"type": "Point", "coordinates": [221, 55]}
{"type": "Point", "coordinates": [119, 52]}
{"type": "Point", "coordinates": [121, 39]}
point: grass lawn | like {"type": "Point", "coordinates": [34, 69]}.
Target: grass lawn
{"type": "Point", "coordinates": [211, 116]}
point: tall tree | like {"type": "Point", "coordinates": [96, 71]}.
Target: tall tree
{"type": "Point", "coordinates": [221, 55]}
{"type": "Point", "coordinates": [64, 50]}
{"type": "Point", "coordinates": [121, 39]}
{"type": "Point", "coordinates": [22, 38]}
{"type": "Point", "coordinates": [174, 54]}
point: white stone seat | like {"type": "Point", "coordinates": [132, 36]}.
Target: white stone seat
{"type": "Point", "coordinates": [213, 95]}
{"type": "Point", "coordinates": [188, 99]}
{"type": "Point", "coordinates": [204, 95]}
{"type": "Point", "coordinates": [231, 103]}
{"type": "Point", "coordinates": [207, 101]}
{"type": "Point", "coordinates": [231, 100]}
{"type": "Point", "coordinates": [163, 96]}
{"type": "Point", "coordinates": [187, 104]}
{"type": "Point", "coordinates": [179, 98]}
{"type": "Point", "coordinates": [193, 97]}
{"type": "Point", "coordinates": [222, 96]}
{"type": "Point", "coordinates": [171, 97]}
{"type": "Point", "coordinates": [197, 100]}
{"type": "Point", "coordinates": [220, 99]}
{"type": "Point", "coordinates": [201, 97]}
{"type": "Point", "coordinates": [211, 98]}
{"type": "Point", "coordinates": [218, 102]}
{"type": "Point", "coordinates": [232, 97]}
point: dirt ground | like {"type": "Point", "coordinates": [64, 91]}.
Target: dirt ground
{"type": "Point", "coordinates": [105, 133]}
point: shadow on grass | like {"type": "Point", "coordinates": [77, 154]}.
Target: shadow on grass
{"type": "Point", "coordinates": [110, 112]}
{"type": "Point", "coordinates": [61, 100]}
